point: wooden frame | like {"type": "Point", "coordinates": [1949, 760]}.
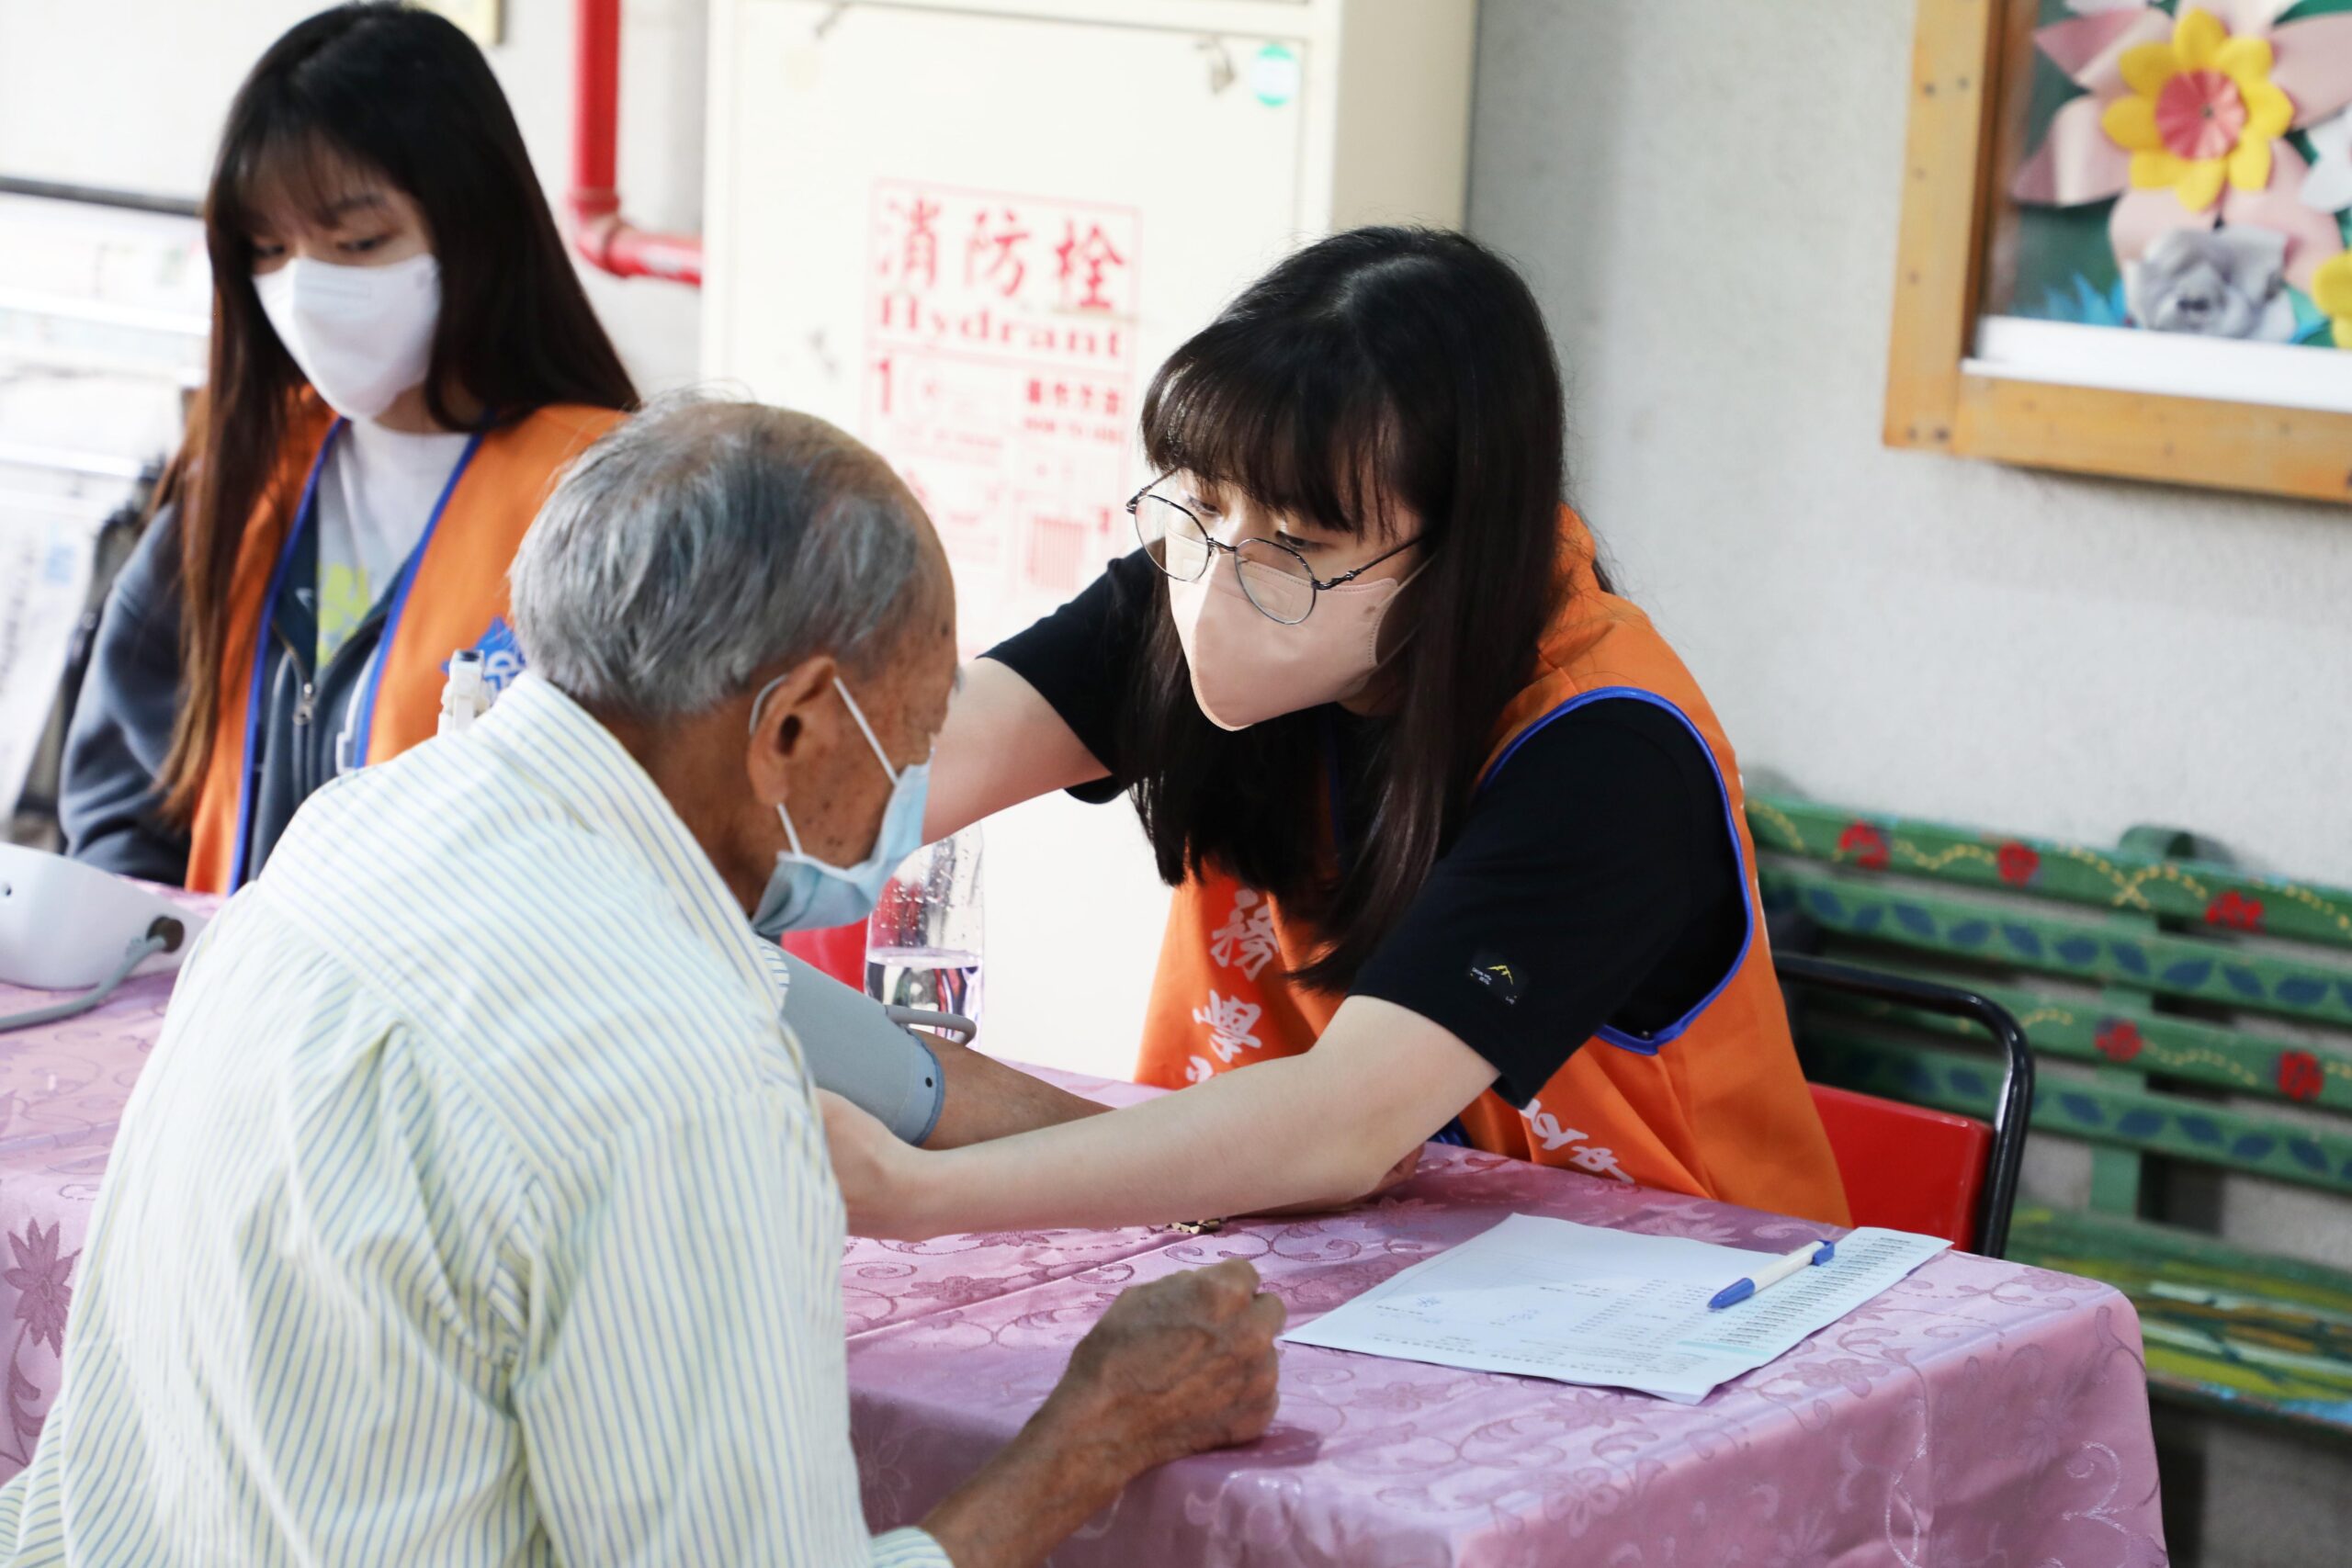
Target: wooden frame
{"type": "Point", "coordinates": [1954, 158]}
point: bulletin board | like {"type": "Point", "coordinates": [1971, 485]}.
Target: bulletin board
{"type": "Point", "coordinates": [2123, 247]}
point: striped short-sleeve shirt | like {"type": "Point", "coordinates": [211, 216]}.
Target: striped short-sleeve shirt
{"type": "Point", "coordinates": [472, 1208]}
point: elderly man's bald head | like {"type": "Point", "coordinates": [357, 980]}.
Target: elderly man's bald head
{"type": "Point", "coordinates": [702, 542]}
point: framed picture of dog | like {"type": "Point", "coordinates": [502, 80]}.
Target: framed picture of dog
{"type": "Point", "coordinates": [2124, 241]}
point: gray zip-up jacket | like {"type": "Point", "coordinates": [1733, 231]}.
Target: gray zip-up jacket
{"type": "Point", "coordinates": [107, 802]}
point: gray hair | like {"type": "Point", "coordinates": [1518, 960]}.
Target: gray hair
{"type": "Point", "coordinates": [700, 542]}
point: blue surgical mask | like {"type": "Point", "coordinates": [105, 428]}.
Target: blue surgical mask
{"type": "Point", "coordinates": [807, 894]}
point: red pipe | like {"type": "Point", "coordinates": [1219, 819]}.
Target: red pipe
{"type": "Point", "coordinates": [602, 236]}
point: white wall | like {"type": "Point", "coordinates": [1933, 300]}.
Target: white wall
{"type": "Point", "coordinates": [131, 94]}
{"type": "Point", "coordinates": [1704, 193]}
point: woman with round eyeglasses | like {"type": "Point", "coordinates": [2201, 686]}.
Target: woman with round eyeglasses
{"type": "Point", "coordinates": [1455, 839]}
{"type": "Point", "coordinates": [1276, 577]}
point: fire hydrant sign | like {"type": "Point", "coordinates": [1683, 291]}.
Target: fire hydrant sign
{"type": "Point", "coordinates": [1000, 379]}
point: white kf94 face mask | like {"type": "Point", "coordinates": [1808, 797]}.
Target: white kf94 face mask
{"type": "Point", "coordinates": [362, 335]}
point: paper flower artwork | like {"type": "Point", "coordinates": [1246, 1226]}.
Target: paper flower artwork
{"type": "Point", "coordinates": [2223, 283]}
{"type": "Point", "coordinates": [2211, 128]}
{"type": "Point", "coordinates": [2201, 108]}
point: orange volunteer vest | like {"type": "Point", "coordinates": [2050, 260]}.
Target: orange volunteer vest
{"type": "Point", "coordinates": [451, 594]}
{"type": "Point", "coordinates": [1712, 1105]}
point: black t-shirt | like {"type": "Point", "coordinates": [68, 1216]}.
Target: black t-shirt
{"type": "Point", "coordinates": [1594, 883]}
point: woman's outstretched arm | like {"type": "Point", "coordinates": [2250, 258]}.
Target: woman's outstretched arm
{"type": "Point", "coordinates": [1322, 1127]}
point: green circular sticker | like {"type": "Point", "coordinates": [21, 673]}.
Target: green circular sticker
{"type": "Point", "coordinates": [1274, 76]}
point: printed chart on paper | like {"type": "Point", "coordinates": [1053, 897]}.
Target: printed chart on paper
{"type": "Point", "coordinates": [1001, 379]}
{"type": "Point", "coordinates": [1579, 1303]}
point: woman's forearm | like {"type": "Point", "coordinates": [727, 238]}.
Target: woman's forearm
{"type": "Point", "coordinates": [1219, 1148]}
{"type": "Point", "coordinates": [1322, 1127]}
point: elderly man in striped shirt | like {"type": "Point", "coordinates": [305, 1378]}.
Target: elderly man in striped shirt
{"type": "Point", "coordinates": [474, 1208]}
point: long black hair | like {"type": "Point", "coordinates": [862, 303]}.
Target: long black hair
{"type": "Point", "coordinates": [402, 94]}
{"type": "Point", "coordinates": [1377, 368]}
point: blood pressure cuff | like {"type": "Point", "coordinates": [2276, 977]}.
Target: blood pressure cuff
{"type": "Point", "coordinates": [854, 1049]}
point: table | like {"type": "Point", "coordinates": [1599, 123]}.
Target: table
{"type": "Point", "coordinates": [62, 1087]}
{"type": "Point", "coordinates": [1979, 1413]}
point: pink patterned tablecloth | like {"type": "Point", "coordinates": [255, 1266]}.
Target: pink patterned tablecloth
{"type": "Point", "coordinates": [1979, 1414]}
{"type": "Point", "coordinates": [61, 1091]}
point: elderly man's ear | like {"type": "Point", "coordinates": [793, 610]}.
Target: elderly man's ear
{"type": "Point", "coordinates": [798, 720]}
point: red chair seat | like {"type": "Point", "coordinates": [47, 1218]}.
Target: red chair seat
{"type": "Point", "coordinates": [1906, 1168]}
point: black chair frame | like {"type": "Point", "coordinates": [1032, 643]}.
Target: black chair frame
{"type": "Point", "coordinates": [2012, 1113]}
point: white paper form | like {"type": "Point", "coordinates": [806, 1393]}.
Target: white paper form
{"type": "Point", "coordinates": [1577, 1303]}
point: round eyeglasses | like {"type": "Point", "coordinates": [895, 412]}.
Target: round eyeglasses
{"type": "Point", "coordinates": [1274, 576]}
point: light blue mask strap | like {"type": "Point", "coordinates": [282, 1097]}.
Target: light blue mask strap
{"type": "Point", "coordinates": [792, 834]}
{"type": "Point", "coordinates": [893, 774]}
{"type": "Point", "coordinates": [760, 701]}
{"type": "Point", "coordinates": [854, 712]}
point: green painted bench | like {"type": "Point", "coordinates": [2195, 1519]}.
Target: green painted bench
{"type": "Point", "coordinates": [2170, 979]}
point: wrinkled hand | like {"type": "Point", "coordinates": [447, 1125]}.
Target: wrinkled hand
{"type": "Point", "coordinates": [1399, 1174]}
{"type": "Point", "coordinates": [1175, 1367]}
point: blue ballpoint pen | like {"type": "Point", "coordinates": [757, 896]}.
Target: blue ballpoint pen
{"type": "Point", "coordinates": [1812, 1254]}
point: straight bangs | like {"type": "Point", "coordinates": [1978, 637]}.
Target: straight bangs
{"type": "Point", "coordinates": [1312, 436]}
{"type": "Point", "coordinates": [285, 161]}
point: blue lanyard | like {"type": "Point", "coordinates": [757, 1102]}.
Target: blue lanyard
{"type": "Point", "coordinates": [303, 515]}
{"type": "Point", "coordinates": [364, 723]}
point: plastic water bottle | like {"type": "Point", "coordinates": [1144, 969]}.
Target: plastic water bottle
{"type": "Point", "coordinates": [464, 697]}
{"type": "Point", "coordinates": [923, 944]}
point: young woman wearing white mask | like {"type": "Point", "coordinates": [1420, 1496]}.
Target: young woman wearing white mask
{"type": "Point", "coordinates": [1456, 841]}
{"type": "Point", "coordinates": [403, 360]}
